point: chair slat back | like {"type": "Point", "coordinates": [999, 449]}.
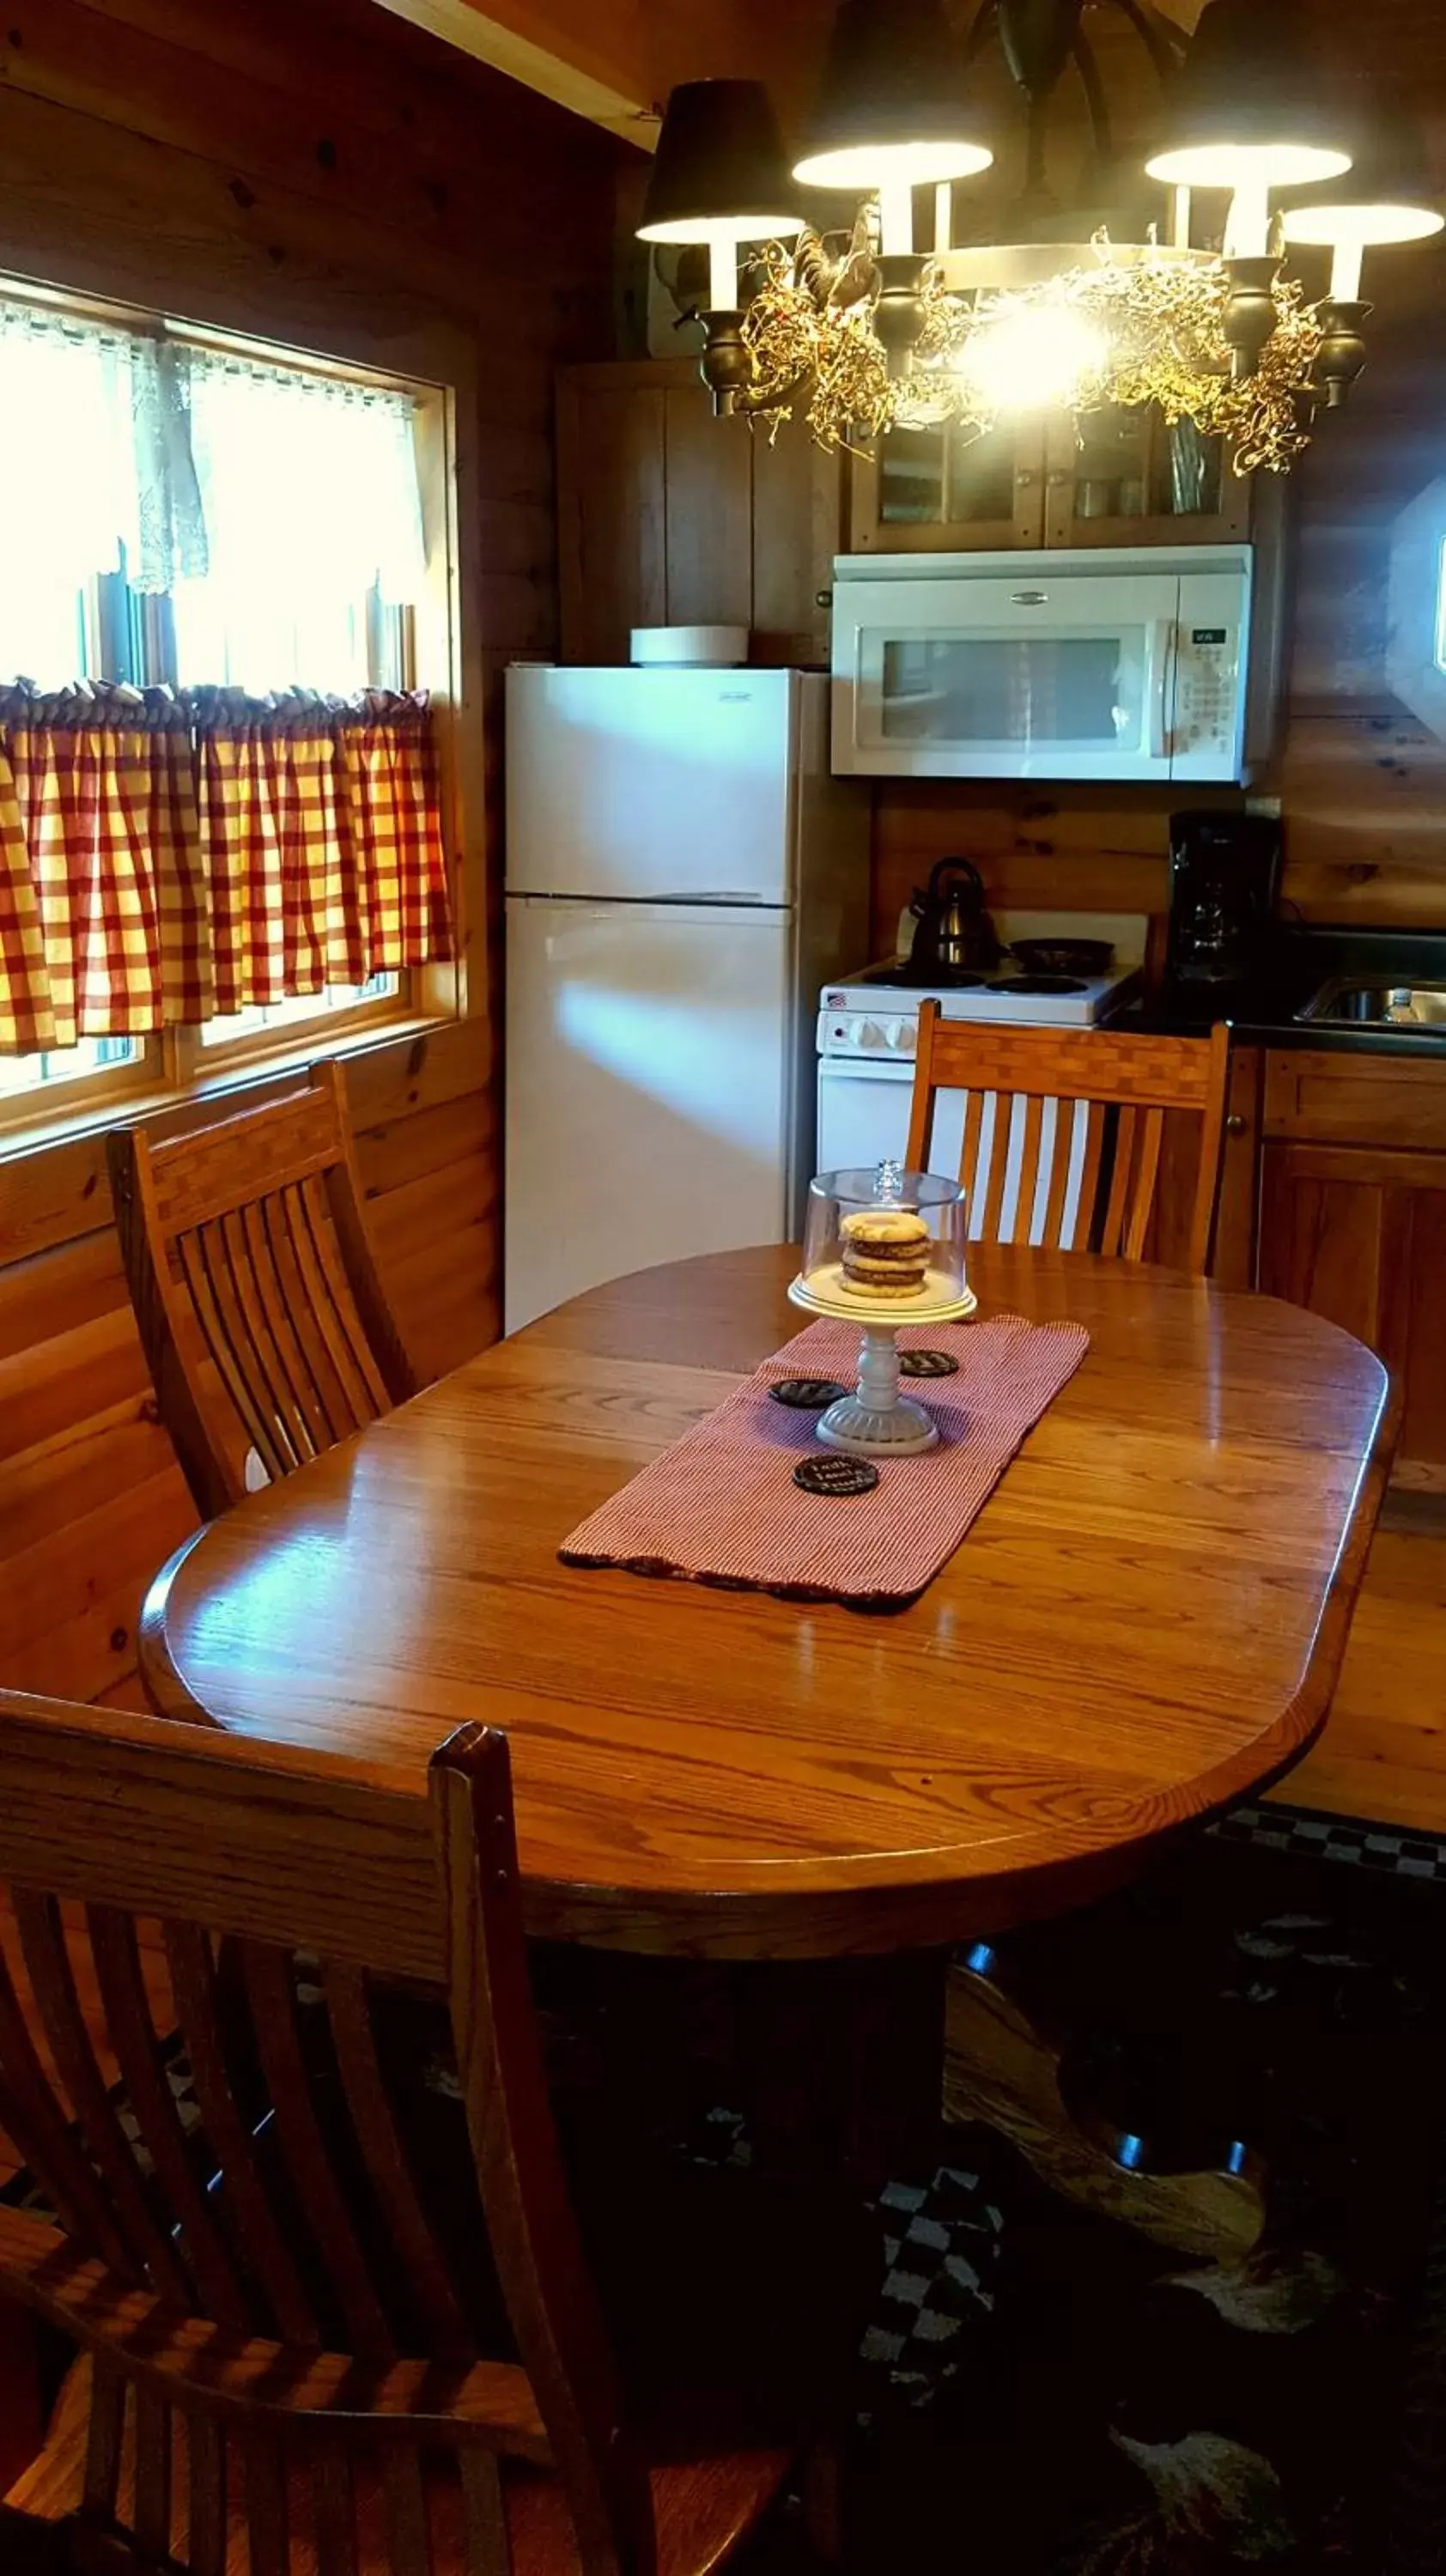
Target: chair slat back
{"type": "Point", "coordinates": [279, 2301]}
{"type": "Point", "coordinates": [256, 1294]}
{"type": "Point", "coordinates": [1063, 1129]}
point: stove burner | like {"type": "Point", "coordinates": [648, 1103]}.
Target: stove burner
{"type": "Point", "coordinates": [1040, 984]}
{"type": "Point", "coordinates": [909, 978]}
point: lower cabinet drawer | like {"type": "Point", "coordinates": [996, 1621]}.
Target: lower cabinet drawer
{"type": "Point", "coordinates": [1356, 1099]}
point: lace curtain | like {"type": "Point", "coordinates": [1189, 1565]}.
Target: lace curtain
{"type": "Point", "coordinates": [94, 454]}
{"type": "Point", "coordinates": [209, 469]}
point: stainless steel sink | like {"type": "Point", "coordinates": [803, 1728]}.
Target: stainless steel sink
{"type": "Point", "coordinates": [1380, 1005]}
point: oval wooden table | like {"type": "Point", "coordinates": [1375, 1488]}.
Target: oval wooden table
{"type": "Point", "coordinates": [1145, 1622]}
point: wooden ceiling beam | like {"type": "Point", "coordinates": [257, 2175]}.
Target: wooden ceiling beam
{"type": "Point", "coordinates": [589, 55]}
{"type": "Point", "coordinates": [614, 61]}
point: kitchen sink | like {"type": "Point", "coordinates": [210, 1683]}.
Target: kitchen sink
{"type": "Point", "coordinates": [1379, 1005]}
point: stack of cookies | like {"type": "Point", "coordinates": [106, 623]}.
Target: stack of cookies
{"type": "Point", "coordinates": [885, 1252]}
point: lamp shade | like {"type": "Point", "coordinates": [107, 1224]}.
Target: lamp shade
{"type": "Point", "coordinates": [891, 106]}
{"type": "Point", "coordinates": [1258, 103]}
{"type": "Point", "coordinates": [1387, 195]}
{"type": "Point", "coordinates": [720, 173]}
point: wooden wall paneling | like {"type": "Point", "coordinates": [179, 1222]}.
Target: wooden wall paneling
{"type": "Point", "coordinates": [393, 89]}
{"type": "Point", "coordinates": [668, 516]}
{"type": "Point", "coordinates": [1363, 795]}
{"type": "Point", "coordinates": [613, 563]}
{"type": "Point", "coordinates": [1086, 849]}
{"type": "Point", "coordinates": [302, 144]}
{"type": "Point", "coordinates": [91, 1501]}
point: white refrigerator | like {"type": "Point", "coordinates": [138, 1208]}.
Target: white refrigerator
{"type": "Point", "coordinates": [683, 872]}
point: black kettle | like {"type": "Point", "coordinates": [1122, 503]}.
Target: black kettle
{"type": "Point", "coordinates": [953, 934]}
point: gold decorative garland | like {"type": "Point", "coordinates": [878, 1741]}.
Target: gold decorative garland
{"type": "Point", "coordinates": [1161, 321]}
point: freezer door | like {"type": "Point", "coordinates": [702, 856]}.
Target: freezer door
{"type": "Point", "coordinates": [648, 1074]}
{"type": "Point", "coordinates": [651, 786]}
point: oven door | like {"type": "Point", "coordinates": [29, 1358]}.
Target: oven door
{"type": "Point", "coordinates": [1033, 675]}
{"type": "Point", "coordinates": [863, 1117]}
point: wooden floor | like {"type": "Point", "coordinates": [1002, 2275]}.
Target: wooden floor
{"type": "Point", "coordinates": [1382, 1757]}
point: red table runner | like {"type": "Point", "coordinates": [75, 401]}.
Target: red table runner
{"type": "Point", "coordinates": [720, 1506]}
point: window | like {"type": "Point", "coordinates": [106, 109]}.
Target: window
{"type": "Point", "coordinates": [26, 1074]}
{"type": "Point", "coordinates": [231, 1026]}
{"type": "Point", "coordinates": [198, 514]}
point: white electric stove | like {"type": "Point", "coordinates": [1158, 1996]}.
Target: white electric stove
{"type": "Point", "coordinates": [868, 1030]}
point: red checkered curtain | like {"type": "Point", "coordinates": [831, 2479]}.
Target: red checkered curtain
{"type": "Point", "coordinates": [105, 802]}
{"type": "Point", "coordinates": [388, 761]}
{"type": "Point", "coordinates": [27, 1021]}
{"type": "Point", "coordinates": [321, 833]}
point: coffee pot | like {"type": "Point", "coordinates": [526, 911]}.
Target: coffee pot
{"type": "Point", "coordinates": [953, 933]}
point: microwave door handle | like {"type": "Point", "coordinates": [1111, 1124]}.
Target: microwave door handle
{"type": "Point", "coordinates": [1157, 668]}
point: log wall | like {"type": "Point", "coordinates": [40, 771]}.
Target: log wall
{"type": "Point", "coordinates": [319, 173]}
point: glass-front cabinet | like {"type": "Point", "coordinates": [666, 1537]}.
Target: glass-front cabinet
{"type": "Point", "coordinates": [1114, 477]}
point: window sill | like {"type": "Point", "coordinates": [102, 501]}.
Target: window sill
{"type": "Point", "coordinates": [230, 1080]}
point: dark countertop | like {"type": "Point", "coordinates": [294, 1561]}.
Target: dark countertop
{"type": "Point", "coordinates": [1264, 1012]}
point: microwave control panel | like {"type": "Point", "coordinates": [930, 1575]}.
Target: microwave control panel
{"type": "Point", "coordinates": [1208, 727]}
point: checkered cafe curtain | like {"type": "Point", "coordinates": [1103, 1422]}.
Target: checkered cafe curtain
{"type": "Point", "coordinates": [164, 857]}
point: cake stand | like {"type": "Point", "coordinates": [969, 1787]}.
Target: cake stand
{"type": "Point", "coordinates": [876, 1421]}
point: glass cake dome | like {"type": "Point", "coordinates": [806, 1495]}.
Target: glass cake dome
{"type": "Point", "coordinates": [885, 1243]}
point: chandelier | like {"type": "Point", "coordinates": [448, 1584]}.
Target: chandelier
{"type": "Point", "coordinates": [1182, 298]}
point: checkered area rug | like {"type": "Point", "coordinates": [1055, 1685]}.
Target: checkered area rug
{"type": "Point", "coordinates": [1296, 1830]}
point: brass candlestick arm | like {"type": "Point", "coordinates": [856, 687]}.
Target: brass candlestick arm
{"type": "Point", "coordinates": [1342, 351]}
{"type": "Point", "coordinates": [726, 367]}
{"type": "Point", "coordinates": [900, 314]}
{"type": "Point", "coordinates": [1250, 314]}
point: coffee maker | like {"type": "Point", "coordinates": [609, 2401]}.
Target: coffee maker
{"type": "Point", "coordinates": [1224, 880]}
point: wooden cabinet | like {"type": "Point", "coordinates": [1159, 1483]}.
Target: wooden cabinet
{"type": "Point", "coordinates": [1353, 1220]}
{"type": "Point", "coordinates": [669, 517]}
{"type": "Point", "coordinates": [1117, 477]}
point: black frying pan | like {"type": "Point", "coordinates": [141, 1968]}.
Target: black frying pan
{"type": "Point", "coordinates": [1063, 956]}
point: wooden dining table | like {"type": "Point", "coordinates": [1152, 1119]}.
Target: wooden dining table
{"type": "Point", "coordinates": [1144, 1624]}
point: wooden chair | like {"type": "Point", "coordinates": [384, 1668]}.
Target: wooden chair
{"type": "Point", "coordinates": [259, 1305]}
{"type": "Point", "coordinates": [282, 2326]}
{"type": "Point", "coordinates": [1063, 1129]}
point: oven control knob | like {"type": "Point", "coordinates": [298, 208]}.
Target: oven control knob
{"type": "Point", "coordinates": [871, 1036]}
{"type": "Point", "coordinates": [903, 1037]}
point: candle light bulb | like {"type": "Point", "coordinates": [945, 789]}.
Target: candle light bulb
{"type": "Point", "coordinates": [1247, 230]}
{"type": "Point", "coordinates": [896, 217]}
{"type": "Point", "coordinates": [722, 274]}
{"type": "Point", "coordinates": [1346, 272]}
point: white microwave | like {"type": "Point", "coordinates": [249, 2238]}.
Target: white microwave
{"type": "Point", "coordinates": [1119, 662]}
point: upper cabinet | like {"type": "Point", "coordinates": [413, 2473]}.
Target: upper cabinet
{"type": "Point", "coordinates": [1118, 478]}
{"type": "Point", "coordinates": [668, 517]}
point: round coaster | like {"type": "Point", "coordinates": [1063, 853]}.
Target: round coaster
{"type": "Point", "coordinates": [927, 1364]}
{"type": "Point", "coordinates": [807, 1394]}
{"type": "Point", "coordinates": [835, 1476]}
